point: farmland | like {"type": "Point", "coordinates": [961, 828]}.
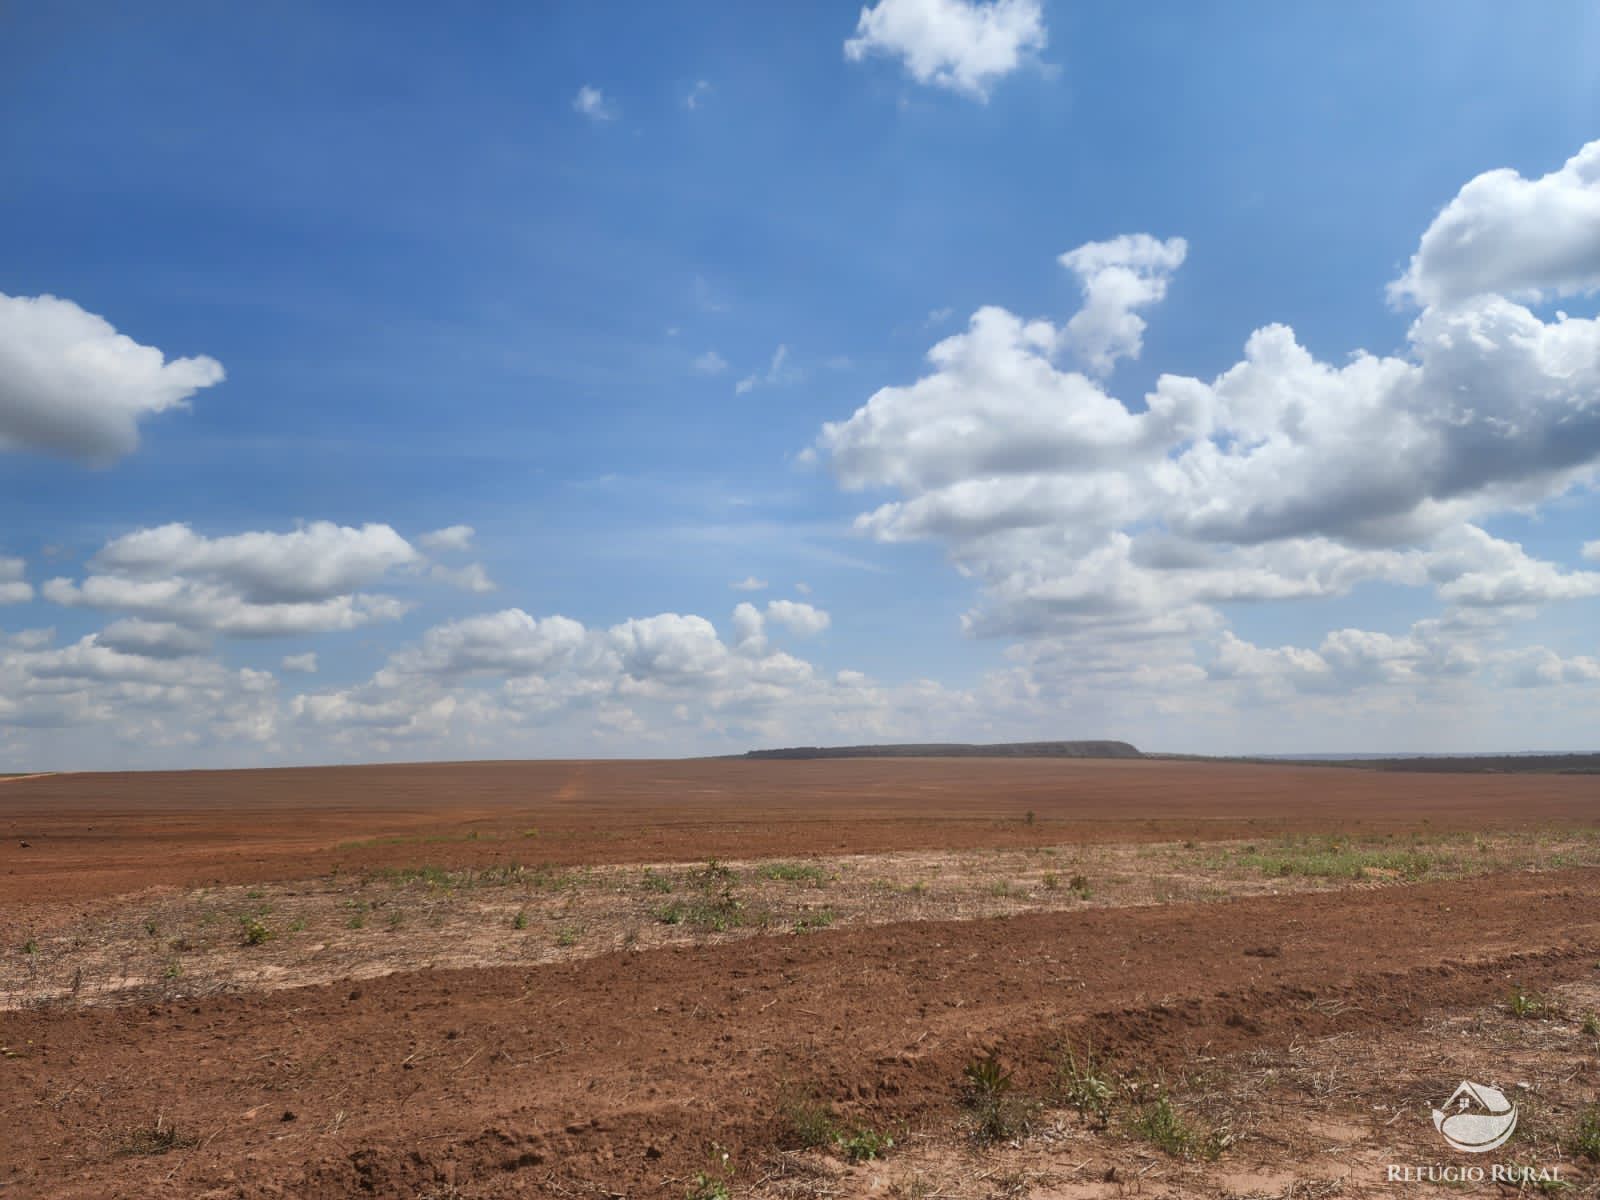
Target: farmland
{"type": "Point", "coordinates": [912, 977]}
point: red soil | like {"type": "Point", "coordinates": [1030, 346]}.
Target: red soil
{"type": "Point", "coordinates": [103, 834]}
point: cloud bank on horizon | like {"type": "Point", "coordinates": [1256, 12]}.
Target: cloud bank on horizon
{"type": "Point", "coordinates": [1105, 545]}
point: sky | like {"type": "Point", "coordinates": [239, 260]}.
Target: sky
{"type": "Point", "coordinates": [600, 379]}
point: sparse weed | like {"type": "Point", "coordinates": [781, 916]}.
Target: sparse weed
{"type": "Point", "coordinates": [706, 1186]}
{"type": "Point", "coordinates": [1082, 1084]}
{"type": "Point", "coordinates": [568, 935]}
{"type": "Point", "coordinates": [30, 946]}
{"type": "Point", "coordinates": [656, 881]}
{"type": "Point", "coordinates": [1052, 881]}
{"type": "Point", "coordinates": [1159, 1123]}
{"type": "Point", "coordinates": [1591, 1025]}
{"type": "Point", "coordinates": [1586, 1141]}
{"type": "Point", "coordinates": [396, 919]}
{"type": "Point", "coordinates": [808, 1122]}
{"type": "Point", "coordinates": [254, 931]}
{"type": "Point", "coordinates": [794, 873]}
{"type": "Point", "coordinates": [1527, 1005]}
{"type": "Point", "coordinates": [520, 921]}
{"type": "Point", "coordinates": [160, 1138]}
{"type": "Point", "coordinates": [172, 970]}
{"type": "Point", "coordinates": [151, 928]}
{"type": "Point", "coordinates": [1078, 885]}
{"type": "Point", "coordinates": [865, 1144]}
{"type": "Point", "coordinates": [297, 925]}
{"type": "Point", "coordinates": [817, 918]}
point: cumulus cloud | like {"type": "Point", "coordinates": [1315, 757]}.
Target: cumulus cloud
{"type": "Point", "coordinates": [71, 385]}
{"type": "Point", "coordinates": [749, 584]}
{"type": "Point", "coordinates": [14, 589]}
{"type": "Point", "coordinates": [591, 102]}
{"type": "Point", "coordinates": [1089, 522]}
{"type": "Point", "coordinates": [1502, 234]}
{"type": "Point", "coordinates": [965, 46]}
{"type": "Point", "coordinates": [1118, 277]}
{"type": "Point", "coordinates": [257, 584]}
{"type": "Point", "coordinates": [470, 578]}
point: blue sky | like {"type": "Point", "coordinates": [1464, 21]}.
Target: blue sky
{"type": "Point", "coordinates": [608, 336]}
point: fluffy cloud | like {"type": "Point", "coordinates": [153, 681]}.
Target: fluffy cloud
{"type": "Point", "coordinates": [14, 589]}
{"type": "Point", "coordinates": [255, 584]}
{"type": "Point", "coordinates": [799, 618]}
{"type": "Point", "coordinates": [963, 45]}
{"type": "Point", "coordinates": [751, 584]}
{"type": "Point", "coordinates": [70, 384]}
{"type": "Point", "coordinates": [1117, 277]}
{"type": "Point", "coordinates": [1503, 234]}
{"type": "Point", "coordinates": [1107, 535]}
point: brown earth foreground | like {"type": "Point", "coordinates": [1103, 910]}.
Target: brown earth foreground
{"type": "Point", "coordinates": [1302, 1034]}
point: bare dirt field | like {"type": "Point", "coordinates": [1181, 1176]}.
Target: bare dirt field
{"type": "Point", "coordinates": [907, 978]}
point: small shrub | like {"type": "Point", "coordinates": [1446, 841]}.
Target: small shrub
{"type": "Point", "coordinates": [520, 921]}
{"type": "Point", "coordinates": [568, 935]}
{"type": "Point", "coordinates": [865, 1144]}
{"type": "Point", "coordinates": [30, 947]}
{"type": "Point", "coordinates": [297, 925]}
{"type": "Point", "coordinates": [705, 1186]}
{"type": "Point", "coordinates": [172, 970]}
{"type": "Point", "coordinates": [1000, 888]}
{"type": "Point", "coordinates": [1052, 881]}
{"type": "Point", "coordinates": [987, 1089]}
{"type": "Point", "coordinates": [254, 932]}
{"type": "Point", "coordinates": [1591, 1025]}
{"type": "Point", "coordinates": [656, 881]}
{"type": "Point", "coordinates": [358, 920]}
{"type": "Point", "coordinates": [1078, 885]}
{"type": "Point", "coordinates": [151, 928]}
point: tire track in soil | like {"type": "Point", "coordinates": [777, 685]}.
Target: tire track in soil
{"type": "Point", "coordinates": [617, 1073]}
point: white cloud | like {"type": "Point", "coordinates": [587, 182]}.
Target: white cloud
{"type": "Point", "coordinates": [710, 363]}
{"type": "Point", "coordinates": [1105, 535]}
{"type": "Point", "coordinates": [592, 103]}
{"type": "Point", "coordinates": [749, 584]}
{"type": "Point", "coordinates": [14, 589]}
{"type": "Point", "coordinates": [305, 664]}
{"type": "Point", "coordinates": [450, 539]}
{"type": "Point", "coordinates": [153, 639]}
{"type": "Point", "coordinates": [1591, 550]}
{"type": "Point", "coordinates": [1503, 234]}
{"type": "Point", "coordinates": [1118, 276]}
{"type": "Point", "coordinates": [471, 578]}
{"type": "Point", "coordinates": [778, 372]}
{"type": "Point", "coordinates": [800, 618]}
{"type": "Point", "coordinates": [695, 95]}
{"type": "Point", "coordinates": [246, 585]}
{"type": "Point", "coordinates": [70, 384]}
{"type": "Point", "coordinates": [963, 45]}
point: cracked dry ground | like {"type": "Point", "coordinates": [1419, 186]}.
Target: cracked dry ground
{"type": "Point", "coordinates": [635, 1070]}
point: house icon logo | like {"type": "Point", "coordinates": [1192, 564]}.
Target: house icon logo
{"type": "Point", "coordinates": [1476, 1118]}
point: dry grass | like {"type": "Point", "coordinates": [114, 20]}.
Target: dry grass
{"type": "Point", "coordinates": [168, 943]}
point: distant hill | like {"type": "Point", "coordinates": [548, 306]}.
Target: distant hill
{"type": "Point", "coordinates": [960, 750]}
